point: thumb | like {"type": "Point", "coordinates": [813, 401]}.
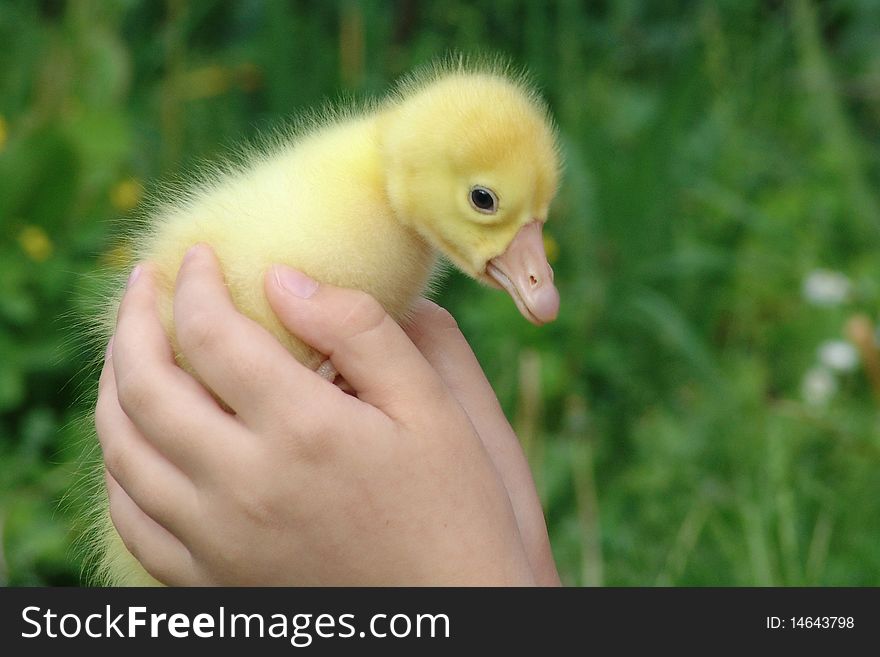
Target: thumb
{"type": "Point", "coordinates": [363, 342]}
{"type": "Point", "coordinates": [435, 333]}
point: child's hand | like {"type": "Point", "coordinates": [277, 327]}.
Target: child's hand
{"type": "Point", "coordinates": [305, 484]}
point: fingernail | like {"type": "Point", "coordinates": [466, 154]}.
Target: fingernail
{"type": "Point", "coordinates": [191, 251]}
{"type": "Point", "coordinates": [295, 282]}
{"type": "Point", "coordinates": [133, 276]}
{"type": "Point", "coordinates": [109, 349]}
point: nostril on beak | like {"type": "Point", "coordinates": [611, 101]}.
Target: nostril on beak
{"type": "Point", "coordinates": [532, 280]}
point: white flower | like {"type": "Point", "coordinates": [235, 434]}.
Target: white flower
{"type": "Point", "coordinates": [818, 386]}
{"type": "Point", "coordinates": [838, 355]}
{"type": "Point", "coordinates": [826, 288]}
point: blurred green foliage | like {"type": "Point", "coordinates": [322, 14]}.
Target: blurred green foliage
{"type": "Point", "coordinates": [718, 153]}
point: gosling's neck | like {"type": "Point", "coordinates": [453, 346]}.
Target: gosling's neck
{"type": "Point", "coordinates": [393, 142]}
{"type": "Point", "coordinates": [385, 254]}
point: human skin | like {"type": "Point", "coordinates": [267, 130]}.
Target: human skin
{"type": "Point", "coordinates": [416, 479]}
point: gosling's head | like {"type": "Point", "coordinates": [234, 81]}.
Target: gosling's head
{"type": "Point", "coordinates": [473, 165]}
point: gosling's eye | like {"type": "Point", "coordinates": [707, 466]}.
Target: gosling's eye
{"type": "Point", "coordinates": [484, 200]}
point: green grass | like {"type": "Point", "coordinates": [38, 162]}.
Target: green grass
{"type": "Point", "coordinates": [717, 153]}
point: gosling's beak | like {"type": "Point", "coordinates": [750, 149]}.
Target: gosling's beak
{"type": "Point", "coordinates": [524, 272]}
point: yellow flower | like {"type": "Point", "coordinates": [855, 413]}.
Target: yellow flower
{"type": "Point", "coordinates": [205, 82]}
{"type": "Point", "coordinates": [126, 194]}
{"type": "Point", "coordinates": [35, 243]}
{"type": "Point", "coordinates": [4, 132]}
{"type": "Point", "coordinates": [551, 248]}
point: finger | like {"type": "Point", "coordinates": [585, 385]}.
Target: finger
{"type": "Point", "coordinates": [436, 335]}
{"type": "Point", "coordinates": [435, 332]}
{"type": "Point", "coordinates": [161, 554]}
{"type": "Point", "coordinates": [236, 357]}
{"type": "Point", "coordinates": [155, 484]}
{"type": "Point", "coordinates": [365, 345]}
{"type": "Point", "coordinates": [170, 408]}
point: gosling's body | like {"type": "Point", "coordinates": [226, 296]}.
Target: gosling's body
{"type": "Point", "coordinates": [319, 205]}
{"type": "Point", "coordinates": [367, 200]}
